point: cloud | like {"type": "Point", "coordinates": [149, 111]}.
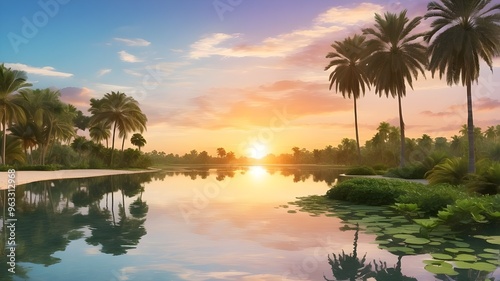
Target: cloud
{"type": "Point", "coordinates": [134, 42]}
{"type": "Point", "coordinates": [103, 72]}
{"type": "Point", "coordinates": [487, 104]}
{"type": "Point", "coordinates": [79, 97]}
{"type": "Point", "coordinates": [126, 57]}
{"type": "Point", "coordinates": [43, 71]}
{"type": "Point", "coordinates": [349, 16]}
{"type": "Point", "coordinates": [258, 106]}
{"type": "Point", "coordinates": [132, 72]}
{"type": "Point", "coordinates": [332, 21]}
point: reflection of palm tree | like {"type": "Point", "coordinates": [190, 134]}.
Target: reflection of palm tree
{"type": "Point", "coordinates": [382, 272]}
{"type": "Point", "coordinates": [349, 267]}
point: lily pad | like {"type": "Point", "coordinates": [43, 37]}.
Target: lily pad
{"type": "Point", "coordinates": [493, 240]}
{"type": "Point", "coordinates": [452, 250]}
{"type": "Point", "coordinates": [466, 250]}
{"type": "Point", "coordinates": [465, 257]}
{"type": "Point", "coordinates": [405, 250]}
{"type": "Point", "coordinates": [404, 236]}
{"type": "Point", "coordinates": [463, 264]}
{"type": "Point", "coordinates": [484, 266]}
{"type": "Point", "coordinates": [493, 251]}
{"type": "Point", "coordinates": [435, 243]}
{"type": "Point", "coordinates": [439, 256]}
{"type": "Point", "coordinates": [441, 269]}
{"type": "Point", "coordinates": [417, 240]}
{"type": "Point", "coordinates": [488, 256]}
{"type": "Point", "coordinates": [291, 211]}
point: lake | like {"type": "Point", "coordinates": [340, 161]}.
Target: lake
{"type": "Point", "coordinates": [251, 223]}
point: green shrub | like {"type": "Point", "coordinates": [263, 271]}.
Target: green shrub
{"type": "Point", "coordinates": [471, 213]}
{"type": "Point", "coordinates": [487, 178]}
{"type": "Point", "coordinates": [370, 191]}
{"type": "Point", "coordinates": [432, 198]}
{"type": "Point", "coordinates": [361, 170]}
{"type": "Point", "coordinates": [452, 171]}
{"type": "Point", "coordinates": [413, 171]}
{"type": "Point", "coordinates": [51, 167]}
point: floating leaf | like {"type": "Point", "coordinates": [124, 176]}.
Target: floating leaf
{"type": "Point", "coordinates": [291, 211]}
{"type": "Point", "coordinates": [418, 241]}
{"type": "Point", "coordinates": [436, 269]}
{"type": "Point", "coordinates": [488, 256]}
{"type": "Point", "coordinates": [405, 250]}
{"type": "Point", "coordinates": [493, 240]}
{"type": "Point", "coordinates": [493, 251]}
{"type": "Point", "coordinates": [435, 243]}
{"type": "Point", "coordinates": [465, 257]}
{"type": "Point", "coordinates": [484, 266]}
{"type": "Point", "coordinates": [462, 264]}
{"type": "Point", "coordinates": [404, 236]}
{"type": "Point", "coordinates": [467, 250]}
{"type": "Point", "coordinates": [439, 256]}
{"type": "Point", "coordinates": [452, 250]}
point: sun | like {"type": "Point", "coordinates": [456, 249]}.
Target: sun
{"type": "Point", "coordinates": [257, 151]}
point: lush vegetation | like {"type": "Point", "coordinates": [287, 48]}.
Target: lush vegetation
{"type": "Point", "coordinates": [40, 132]}
{"type": "Point", "coordinates": [427, 205]}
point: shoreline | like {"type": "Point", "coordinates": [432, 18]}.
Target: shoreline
{"type": "Point", "coordinates": [24, 177]}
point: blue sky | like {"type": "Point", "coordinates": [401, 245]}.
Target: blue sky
{"type": "Point", "coordinates": [219, 73]}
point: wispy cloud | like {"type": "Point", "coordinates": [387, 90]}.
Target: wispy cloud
{"type": "Point", "coordinates": [103, 72]}
{"type": "Point", "coordinates": [132, 72]}
{"type": "Point", "coordinates": [43, 71]}
{"type": "Point", "coordinates": [134, 42]}
{"type": "Point", "coordinates": [126, 57]}
{"type": "Point", "coordinates": [333, 20]}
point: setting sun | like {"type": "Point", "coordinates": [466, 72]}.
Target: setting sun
{"type": "Point", "coordinates": [257, 151]}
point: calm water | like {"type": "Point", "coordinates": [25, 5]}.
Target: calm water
{"type": "Point", "coordinates": [205, 225]}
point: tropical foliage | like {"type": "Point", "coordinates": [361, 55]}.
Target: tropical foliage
{"type": "Point", "coordinates": [463, 33]}
{"type": "Point", "coordinates": [396, 58]}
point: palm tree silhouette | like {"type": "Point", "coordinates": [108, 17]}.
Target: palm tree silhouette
{"type": "Point", "coordinates": [396, 58]}
{"type": "Point", "coordinates": [349, 74]}
{"type": "Point", "coordinates": [463, 33]}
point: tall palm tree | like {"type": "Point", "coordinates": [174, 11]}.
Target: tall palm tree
{"type": "Point", "coordinates": [463, 33]}
{"type": "Point", "coordinates": [396, 58]}
{"type": "Point", "coordinates": [349, 75]}
{"type": "Point", "coordinates": [11, 82]}
{"type": "Point", "coordinates": [120, 111]}
{"type": "Point", "coordinates": [28, 134]}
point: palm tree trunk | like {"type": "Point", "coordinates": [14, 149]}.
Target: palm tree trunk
{"type": "Point", "coordinates": [112, 146]}
{"type": "Point", "coordinates": [470, 129]}
{"type": "Point", "coordinates": [355, 125]}
{"type": "Point", "coordinates": [4, 124]}
{"type": "Point", "coordinates": [402, 131]}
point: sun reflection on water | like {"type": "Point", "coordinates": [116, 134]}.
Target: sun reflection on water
{"type": "Point", "coordinates": [257, 172]}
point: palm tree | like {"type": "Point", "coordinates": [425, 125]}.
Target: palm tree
{"type": "Point", "coordinates": [53, 119]}
{"type": "Point", "coordinates": [138, 140]}
{"type": "Point", "coordinates": [28, 134]}
{"type": "Point", "coordinates": [396, 58]}
{"type": "Point", "coordinates": [99, 132]}
{"type": "Point", "coordinates": [463, 33]}
{"type": "Point", "coordinates": [221, 152]}
{"type": "Point", "coordinates": [120, 111]}
{"type": "Point", "coordinates": [11, 82]}
{"type": "Point", "coordinates": [349, 74]}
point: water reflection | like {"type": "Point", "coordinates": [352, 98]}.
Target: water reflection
{"type": "Point", "coordinates": [52, 214]}
{"type": "Point", "coordinates": [298, 173]}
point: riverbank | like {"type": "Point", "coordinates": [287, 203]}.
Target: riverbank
{"type": "Point", "coordinates": [24, 177]}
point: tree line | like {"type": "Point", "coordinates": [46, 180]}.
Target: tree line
{"type": "Point", "coordinates": [391, 54]}
{"type": "Point", "coordinates": [38, 128]}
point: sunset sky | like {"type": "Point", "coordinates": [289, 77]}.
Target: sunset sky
{"type": "Point", "coordinates": [236, 74]}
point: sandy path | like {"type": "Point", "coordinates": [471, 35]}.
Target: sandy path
{"type": "Point", "coordinates": [23, 177]}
